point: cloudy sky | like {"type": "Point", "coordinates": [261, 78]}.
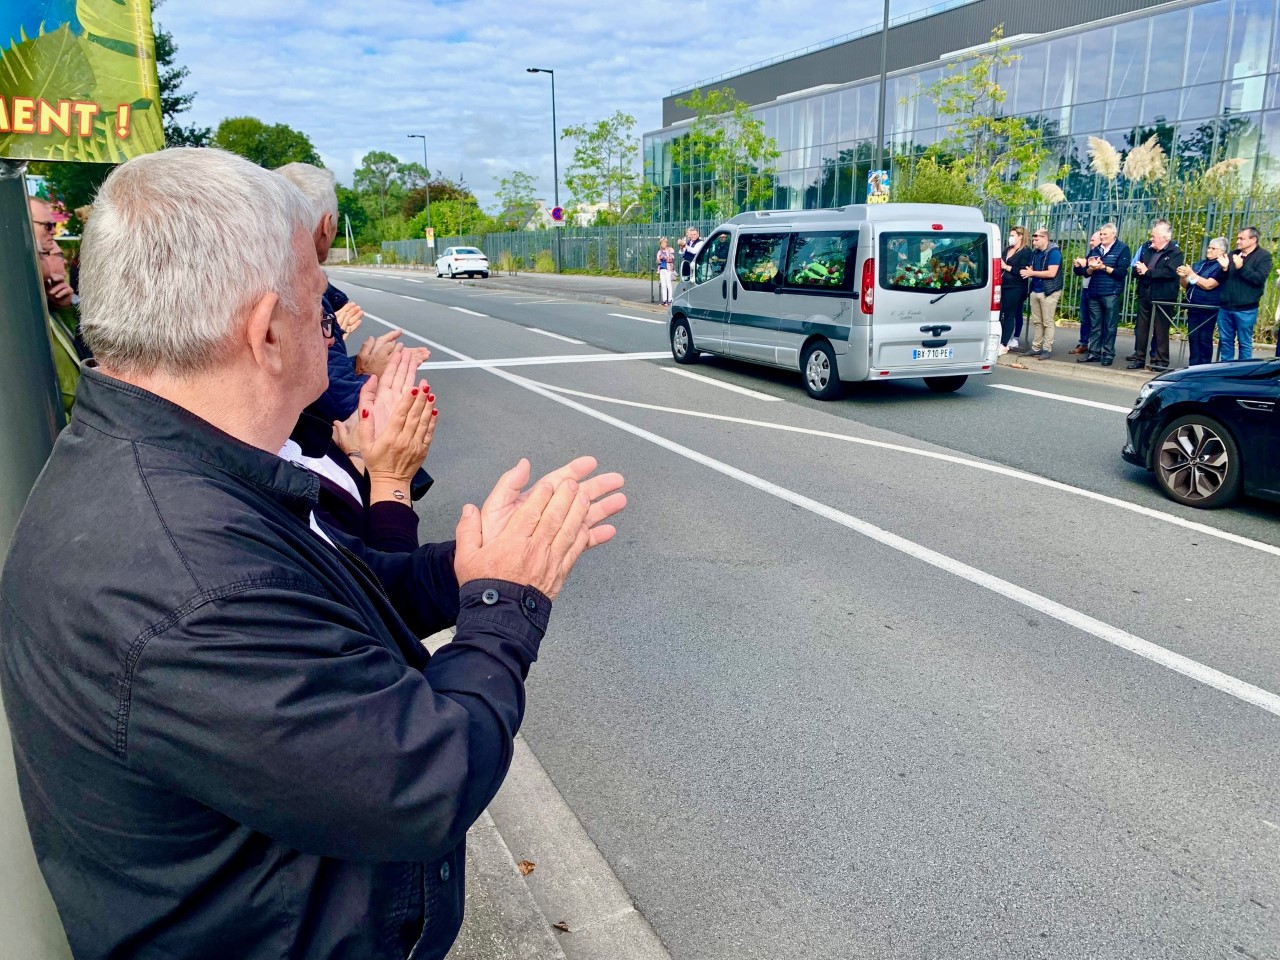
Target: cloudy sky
{"type": "Point", "coordinates": [362, 76]}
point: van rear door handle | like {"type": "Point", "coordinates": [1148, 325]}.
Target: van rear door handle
{"type": "Point", "coordinates": [724, 289]}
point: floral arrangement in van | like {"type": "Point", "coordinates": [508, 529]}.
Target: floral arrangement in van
{"type": "Point", "coordinates": [820, 272]}
{"type": "Point", "coordinates": [934, 275]}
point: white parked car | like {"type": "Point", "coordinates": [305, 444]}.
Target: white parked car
{"type": "Point", "coordinates": [456, 261]}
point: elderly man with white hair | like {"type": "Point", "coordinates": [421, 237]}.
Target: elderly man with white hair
{"type": "Point", "coordinates": [229, 739]}
{"type": "Point", "coordinates": [346, 376]}
{"type": "Point", "coordinates": [1156, 269]}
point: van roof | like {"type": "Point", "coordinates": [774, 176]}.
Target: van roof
{"type": "Point", "coordinates": [873, 212]}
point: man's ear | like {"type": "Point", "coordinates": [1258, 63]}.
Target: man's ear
{"type": "Point", "coordinates": [326, 230]}
{"type": "Point", "coordinates": [262, 334]}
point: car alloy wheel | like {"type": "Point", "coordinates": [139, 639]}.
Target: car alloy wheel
{"type": "Point", "coordinates": [1197, 462]}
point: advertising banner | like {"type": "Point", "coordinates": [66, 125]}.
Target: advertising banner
{"type": "Point", "coordinates": [878, 185]}
{"type": "Point", "coordinates": [78, 80]}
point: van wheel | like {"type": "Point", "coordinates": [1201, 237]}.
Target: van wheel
{"type": "Point", "coordinates": [945, 384]}
{"type": "Point", "coordinates": [821, 377]}
{"type": "Point", "coordinates": [682, 342]}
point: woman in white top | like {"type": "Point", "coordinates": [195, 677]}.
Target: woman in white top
{"type": "Point", "coordinates": [666, 262]}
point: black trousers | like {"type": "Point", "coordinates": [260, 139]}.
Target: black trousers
{"type": "Point", "coordinates": [1201, 322]}
{"type": "Point", "coordinates": [1152, 328]}
{"type": "Point", "coordinates": [1011, 303]}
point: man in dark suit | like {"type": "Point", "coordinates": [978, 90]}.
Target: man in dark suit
{"type": "Point", "coordinates": [1107, 267]}
{"type": "Point", "coordinates": [1156, 270]}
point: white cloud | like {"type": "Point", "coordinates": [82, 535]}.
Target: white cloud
{"type": "Point", "coordinates": [362, 76]}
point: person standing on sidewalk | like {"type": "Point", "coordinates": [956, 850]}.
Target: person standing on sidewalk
{"type": "Point", "coordinates": [229, 739]}
{"type": "Point", "coordinates": [1045, 274]}
{"type": "Point", "coordinates": [1013, 295]}
{"type": "Point", "coordinates": [1201, 286]}
{"type": "Point", "coordinates": [1156, 269]}
{"type": "Point", "coordinates": [1107, 266]}
{"type": "Point", "coordinates": [666, 263]}
{"type": "Point", "coordinates": [1079, 268]}
{"type": "Point", "coordinates": [1245, 275]}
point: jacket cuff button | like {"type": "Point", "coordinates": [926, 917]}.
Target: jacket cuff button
{"type": "Point", "coordinates": [489, 597]}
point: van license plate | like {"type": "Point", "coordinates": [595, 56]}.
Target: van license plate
{"type": "Point", "coordinates": [933, 353]}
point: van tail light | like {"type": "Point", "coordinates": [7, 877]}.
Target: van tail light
{"type": "Point", "coordinates": [995, 285]}
{"type": "Point", "coordinates": [868, 285]}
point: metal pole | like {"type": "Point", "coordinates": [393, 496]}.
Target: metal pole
{"type": "Point", "coordinates": [555, 167]}
{"type": "Point", "coordinates": [32, 418]}
{"type": "Point", "coordinates": [884, 63]}
{"type": "Point", "coordinates": [427, 185]}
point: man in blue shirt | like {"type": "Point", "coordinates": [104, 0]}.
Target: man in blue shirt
{"type": "Point", "coordinates": [1045, 274]}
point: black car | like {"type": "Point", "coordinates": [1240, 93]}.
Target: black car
{"type": "Point", "coordinates": [1210, 432]}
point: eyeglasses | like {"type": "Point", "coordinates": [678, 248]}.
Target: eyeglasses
{"type": "Point", "coordinates": [326, 325]}
{"type": "Point", "coordinates": [49, 225]}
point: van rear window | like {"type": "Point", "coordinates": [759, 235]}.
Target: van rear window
{"type": "Point", "coordinates": [933, 260]}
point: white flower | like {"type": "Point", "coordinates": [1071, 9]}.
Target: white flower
{"type": "Point", "coordinates": [1104, 159]}
{"type": "Point", "coordinates": [1146, 162]}
{"type": "Point", "coordinates": [1225, 169]}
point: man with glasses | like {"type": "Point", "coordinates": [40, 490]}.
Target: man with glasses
{"type": "Point", "coordinates": [1107, 267]}
{"type": "Point", "coordinates": [1045, 274]}
{"type": "Point", "coordinates": [1245, 275]}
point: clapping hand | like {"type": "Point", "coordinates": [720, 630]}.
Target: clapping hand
{"type": "Point", "coordinates": [1237, 260]}
{"type": "Point", "coordinates": [1140, 268]}
{"type": "Point", "coordinates": [377, 351]}
{"type": "Point", "coordinates": [534, 536]}
{"type": "Point", "coordinates": [349, 318]}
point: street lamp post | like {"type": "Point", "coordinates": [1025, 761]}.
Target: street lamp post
{"type": "Point", "coordinates": [426, 186]}
{"type": "Point", "coordinates": [555, 151]}
{"type": "Point", "coordinates": [884, 63]}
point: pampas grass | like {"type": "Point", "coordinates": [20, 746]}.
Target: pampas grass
{"type": "Point", "coordinates": [1146, 163]}
{"type": "Point", "coordinates": [1104, 159]}
{"type": "Point", "coordinates": [1051, 193]}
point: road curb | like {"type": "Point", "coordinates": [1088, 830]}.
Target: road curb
{"type": "Point", "coordinates": [1073, 371]}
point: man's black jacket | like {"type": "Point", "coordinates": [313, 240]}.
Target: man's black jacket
{"type": "Point", "coordinates": [1160, 283]}
{"type": "Point", "coordinates": [1242, 288]}
{"type": "Point", "coordinates": [229, 740]}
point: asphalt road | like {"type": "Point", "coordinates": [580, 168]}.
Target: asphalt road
{"type": "Point", "coordinates": [898, 676]}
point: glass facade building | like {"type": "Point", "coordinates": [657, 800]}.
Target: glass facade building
{"type": "Point", "coordinates": [1201, 75]}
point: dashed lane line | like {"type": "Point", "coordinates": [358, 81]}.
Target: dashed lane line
{"type": "Point", "coordinates": [472, 313]}
{"type": "Point", "coordinates": [1098, 405]}
{"type": "Point", "coordinates": [548, 333]}
{"type": "Point", "coordinates": [1108, 633]}
{"type": "Point", "coordinates": [719, 383]}
{"type": "Point", "coordinates": [628, 316]}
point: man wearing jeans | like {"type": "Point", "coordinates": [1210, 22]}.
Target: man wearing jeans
{"type": "Point", "coordinates": [1045, 274]}
{"type": "Point", "coordinates": [1106, 266]}
{"type": "Point", "coordinates": [1080, 270]}
{"type": "Point", "coordinates": [1245, 274]}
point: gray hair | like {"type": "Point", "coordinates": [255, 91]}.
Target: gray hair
{"type": "Point", "coordinates": [1109, 226]}
{"type": "Point", "coordinates": [181, 245]}
{"type": "Point", "coordinates": [317, 185]}
{"type": "Point", "coordinates": [1220, 243]}
{"type": "Point", "coordinates": [1163, 227]}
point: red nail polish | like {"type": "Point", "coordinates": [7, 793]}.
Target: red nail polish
{"type": "Point", "coordinates": [364, 414]}
{"type": "Point", "coordinates": [431, 398]}
{"type": "Point", "coordinates": [413, 392]}
{"type": "Point", "coordinates": [435, 413]}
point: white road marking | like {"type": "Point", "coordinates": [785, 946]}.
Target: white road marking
{"type": "Point", "coordinates": [525, 302]}
{"type": "Point", "coordinates": [1192, 669]}
{"type": "Point", "coordinates": [627, 316]}
{"type": "Point", "coordinates": [995, 468]}
{"type": "Point", "coordinates": [536, 361]}
{"type": "Point", "coordinates": [548, 333]}
{"type": "Point", "coordinates": [1116, 408]}
{"type": "Point", "coordinates": [405, 296]}
{"type": "Point", "coordinates": [411, 280]}
{"type": "Point", "coordinates": [465, 310]}
{"type": "Point", "coordinates": [719, 383]}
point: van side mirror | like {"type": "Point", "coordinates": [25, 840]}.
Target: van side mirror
{"type": "Point", "coordinates": [686, 270]}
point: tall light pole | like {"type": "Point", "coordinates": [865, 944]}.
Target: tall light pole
{"type": "Point", "coordinates": [426, 186]}
{"type": "Point", "coordinates": [884, 63]}
{"type": "Point", "coordinates": [555, 149]}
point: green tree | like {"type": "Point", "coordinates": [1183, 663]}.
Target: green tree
{"type": "Point", "coordinates": [517, 199]}
{"type": "Point", "coordinates": [450, 218]}
{"type": "Point", "coordinates": [1000, 157]}
{"type": "Point", "coordinates": [379, 173]}
{"type": "Point", "coordinates": [350, 208]}
{"type": "Point", "coordinates": [268, 146]}
{"type": "Point", "coordinates": [605, 167]}
{"type": "Point", "coordinates": [727, 152]}
{"type": "Point", "coordinates": [442, 188]}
